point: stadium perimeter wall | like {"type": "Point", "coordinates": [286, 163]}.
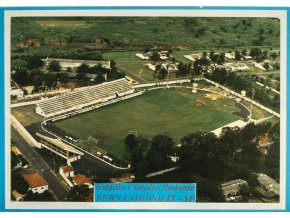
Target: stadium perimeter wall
{"type": "Point", "coordinates": [23, 132]}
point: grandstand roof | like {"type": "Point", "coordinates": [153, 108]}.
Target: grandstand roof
{"type": "Point", "coordinates": [60, 144]}
{"type": "Point", "coordinates": [87, 96]}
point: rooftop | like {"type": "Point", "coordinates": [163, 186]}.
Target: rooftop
{"type": "Point", "coordinates": [67, 169]}
{"type": "Point", "coordinates": [57, 142]}
{"type": "Point", "coordinates": [81, 180]}
{"type": "Point", "coordinates": [233, 185]}
{"type": "Point", "coordinates": [269, 184]}
{"type": "Point", "coordinates": [35, 180]}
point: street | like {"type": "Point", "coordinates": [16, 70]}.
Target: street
{"type": "Point", "coordinates": [39, 165]}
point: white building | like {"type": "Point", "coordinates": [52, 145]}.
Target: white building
{"type": "Point", "coordinates": [72, 63]}
{"type": "Point", "coordinates": [36, 182]}
{"type": "Point", "coordinates": [268, 186]}
{"type": "Point", "coordinates": [66, 173]}
{"type": "Point", "coordinates": [164, 55]}
{"type": "Point", "coordinates": [231, 189]}
{"type": "Point", "coordinates": [18, 93]}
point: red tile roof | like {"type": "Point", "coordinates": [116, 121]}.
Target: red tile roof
{"type": "Point", "coordinates": [81, 179]}
{"type": "Point", "coordinates": [67, 169]}
{"type": "Point", "coordinates": [35, 180]}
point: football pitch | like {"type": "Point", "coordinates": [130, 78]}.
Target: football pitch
{"type": "Point", "coordinates": [175, 112]}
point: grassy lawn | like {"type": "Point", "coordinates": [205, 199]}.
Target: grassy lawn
{"type": "Point", "coordinates": [26, 115]}
{"type": "Point", "coordinates": [143, 71]}
{"type": "Point", "coordinates": [139, 70]}
{"type": "Point", "coordinates": [122, 56]}
{"type": "Point", "coordinates": [172, 112]}
{"type": "Point", "coordinates": [258, 113]}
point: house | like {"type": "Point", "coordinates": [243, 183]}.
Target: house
{"type": "Point", "coordinates": [268, 186]}
{"type": "Point", "coordinates": [144, 56]}
{"type": "Point", "coordinates": [171, 67]}
{"type": "Point", "coordinates": [67, 171]}
{"type": "Point", "coordinates": [193, 57]}
{"type": "Point", "coordinates": [236, 67]}
{"type": "Point", "coordinates": [230, 55]}
{"type": "Point", "coordinates": [82, 180]}
{"type": "Point", "coordinates": [15, 91]}
{"type": "Point", "coordinates": [164, 55]}
{"type": "Point", "coordinates": [231, 189]}
{"type": "Point", "coordinates": [36, 182]}
{"type": "Point", "coordinates": [17, 196]}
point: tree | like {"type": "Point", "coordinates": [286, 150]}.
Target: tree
{"type": "Point", "coordinates": [14, 160]}
{"type": "Point", "coordinates": [18, 183]}
{"type": "Point", "coordinates": [244, 52]}
{"type": "Point", "coordinates": [54, 66]}
{"type": "Point", "coordinates": [210, 189]}
{"type": "Point", "coordinates": [37, 82]}
{"type": "Point", "coordinates": [18, 64]}
{"type": "Point", "coordinates": [221, 58]}
{"type": "Point", "coordinates": [273, 158]}
{"type": "Point", "coordinates": [274, 55]}
{"type": "Point", "coordinates": [83, 68]}
{"type": "Point", "coordinates": [33, 62]}
{"type": "Point", "coordinates": [21, 76]}
{"type": "Point", "coordinates": [79, 193]}
{"type": "Point", "coordinates": [137, 147]}
{"type": "Point", "coordinates": [200, 66]}
{"type": "Point", "coordinates": [238, 56]}
{"type": "Point", "coordinates": [155, 56]}
{"type": "Point", "coordinates": [68, 69]}
{"type": "Point", "coordinates": [183, 69]}
{"type": "Point", "coordinates": [160, 72]}
{"type": "Point", "coordinates": [50, 80]}
{"type": "Point", "coordinates": [257, 54]}
{"type": "Point", "coordinates": [63, 78]}
{"type": "Point", "coordinates": [131, 141]}
{"type": "Point", "coordinates": [100, 78]}
{"type": "Point", "coordinates": [162, 147]}
{"type": "Point", "coordinates": [45, 196]}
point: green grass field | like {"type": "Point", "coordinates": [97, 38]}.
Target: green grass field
{"type": "Point", "coordinates": [169, 112]}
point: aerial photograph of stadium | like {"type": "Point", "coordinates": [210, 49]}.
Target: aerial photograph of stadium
{"type": "Point", "coordinates": [145, 100]}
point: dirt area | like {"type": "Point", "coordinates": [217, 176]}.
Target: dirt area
{"type": "Point", "coordinates": [21, 118]}
{"type": "Point", "coordinates": [181, 47]}
{"type": "Point", "coordinates": [184, 90]}
{"type": "Point", "coordinates": [213, 96]}
{"type": "Point", "coordinates": [30, 42]}
{"type": "Point", "coordinates": [199, 103]}
{"type": "Point", "coordinates": [264, 139]}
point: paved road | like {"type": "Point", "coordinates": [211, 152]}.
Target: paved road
{"type": "Point", "coordinates": [38, 164]}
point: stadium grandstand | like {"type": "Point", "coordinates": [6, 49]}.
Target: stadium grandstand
{"type": "Point", "coordinates": [85, 99]}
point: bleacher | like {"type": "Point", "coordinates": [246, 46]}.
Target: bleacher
{"type": "Point", "coordinates": [86, 97]}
